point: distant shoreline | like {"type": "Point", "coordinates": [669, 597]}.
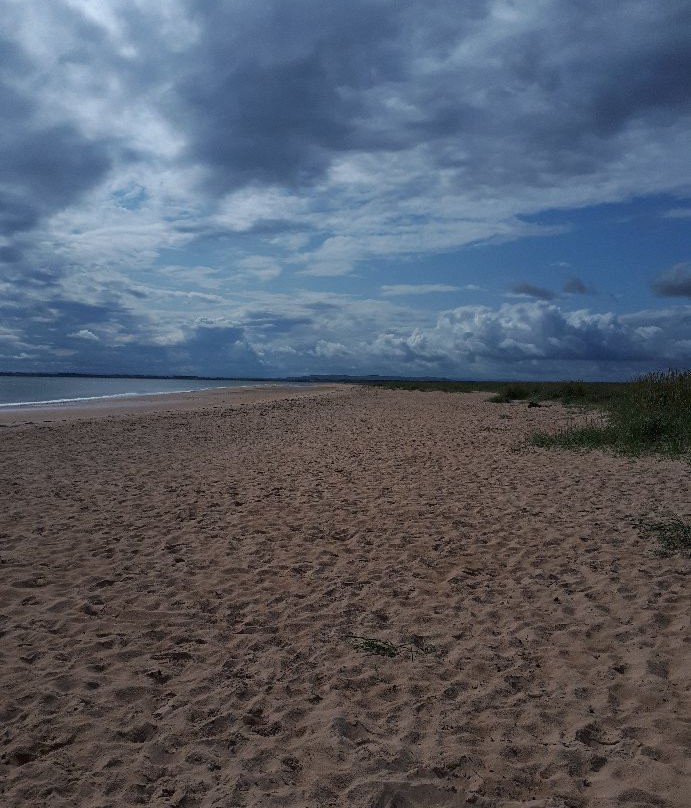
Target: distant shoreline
{"type": "Point", "coordinates": [80, 400]}
{"type": "Point", "coordinates": [138, 376]}
{"type": "Point", "coordinates": [174, 401]}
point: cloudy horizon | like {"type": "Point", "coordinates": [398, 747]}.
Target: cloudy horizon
{"type": "Point", "coordinates": [482, 190]}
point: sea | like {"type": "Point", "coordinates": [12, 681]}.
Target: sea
{"type": "Point", "coordinates": [17, 391]}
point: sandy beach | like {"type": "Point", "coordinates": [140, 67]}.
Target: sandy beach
{"type": "Point", "coordinates": [189, 587]}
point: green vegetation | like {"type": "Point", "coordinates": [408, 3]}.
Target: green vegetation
{"type": "Point", "coordinates": [649, 415]}
{"type": "Point", "coordinates": [673, 536]}
{"type": "Point", "coordinates": [372, 645]}
{"type": "Point", "coordinates": [568, 392]}
{"type": "Point", "coordinates": [429, 386]}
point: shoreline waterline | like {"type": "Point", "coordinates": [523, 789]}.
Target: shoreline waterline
{"type": "Point", "coordinates": [50, 403]}
{"type": "Point", "coordinates": [185, 401]}
{"type": "Point", "coordinates": [38, 391]}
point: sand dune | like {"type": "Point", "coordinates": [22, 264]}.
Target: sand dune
{"type": "Point", "coordinates": [178, 584]}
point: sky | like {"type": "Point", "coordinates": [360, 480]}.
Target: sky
{"type": "Point", "coordinates": [470, 189]}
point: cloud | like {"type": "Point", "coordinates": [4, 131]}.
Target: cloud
{"type": "Point", "coordinates": [394, 290]}
{"type": "Point", "coordinates": [677, 213]}
{"type": "Point", "coordinates": [269, 96]}
{"type": "Point", "coordinates": [398, 128]}
{"type": "Point", "coordinates": [272, 98]}
{"type": "Point", "coordinates": [84, 333]}
{"type": "Point", "coordinates": [537, 337]}
{"type": "Point", "coordinates": [46, 164]}
{"type": "Point", "coordinates": [675, 282]}
{"type": "Point", "coordinates": [168, 163]}
{"type": "Point", "coordinates": [260, 267]}
{"type": "Point", "coordinates": [575, 286]}
{"type": "Point", "coordinates": [525, 289]}
{"type": "Point", "coordinates": [530, 339]}
{"type": "Point", "coordinates": [308, 332]}
{"type": "Point", "coordinates": [213, 348]}
{"type": "Point", "coordinates": [535, 340]}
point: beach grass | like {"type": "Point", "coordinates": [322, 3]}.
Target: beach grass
{"type": "Point", "coordinates": [374, 646]}
{"type": "Point", "coordinates": [433, 385]}
{"type": "Point", "coordinates": [567, 392]}
{"type": "Point", "coordinates": [649, 415]}
{"type": "Point", "coordinates": [379, 647]}
{"type": "Point", "coordinates": [672, 536]}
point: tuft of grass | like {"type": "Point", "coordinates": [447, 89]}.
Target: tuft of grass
{"type": "Point", "coordinates": [592, 435]}
{"type": "Point", "coordinates": [377, 647]}
{"type": "Point", "coordinates": [673, 536]}
{"type": "Point", "coordinates": [372, 645]}
{"type": "Point", "coordinates": [649, 415]}
{"type": "Point", "coordinates": [513, 392]}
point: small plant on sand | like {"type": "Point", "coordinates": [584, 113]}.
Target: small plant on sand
{"type": "Point", "coordinates": [377, 647]}
{"type": "Point", "coordinates": [513, 392]}
{"type": "Point", "coordinates": [371, 645]}
{"type": "Point", "coordinates": [673, 536]}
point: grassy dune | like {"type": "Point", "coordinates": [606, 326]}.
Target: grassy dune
{"type": "Point", "coordinates": [568, 392]}
{"type": "Point", "coordinates": [648, 415]}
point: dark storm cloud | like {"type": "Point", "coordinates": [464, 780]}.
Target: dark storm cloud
{"type": "Point", "coordinates": [272, 93]}
{"type": "Point", "coordinates": [17, 214]}
{"type": "Point", "coordinates": [675, 282]}
{"type": "Point", "coordinates": [44, 321]}
{"type": "Point", "coordinates": [265, 124]}
{"type": "Point", "coordinates": [530, 290]}
{"type": "Point", "coordinates": [43, 166]}
{"type": "Point", "coordinates": [10, 255]}
{"type": "Point", "coordinates": [276, 90]}
{"type": "Point", "coordinates": [652, 79]}
{"type": "Point", "coordinates": [50, 168]}
{"type": "Point", "coordinates": [575, 286]}
{"type": "Point", "coordinates": [214, 349]}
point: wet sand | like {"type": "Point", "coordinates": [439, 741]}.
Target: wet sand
{"type": "Point", "coordinates": [179, 581]}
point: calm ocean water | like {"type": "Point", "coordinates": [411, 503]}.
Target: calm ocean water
{"type": "Point", "coordinates": [18, 390]}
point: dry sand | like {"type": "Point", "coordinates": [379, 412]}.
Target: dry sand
{"type": "Point", "coordinates": [177, 584]}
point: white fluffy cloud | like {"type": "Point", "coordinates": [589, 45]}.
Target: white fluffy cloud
{"type": "Point", "coordinates": [398, 289]}
{"type": "Point", "coordinates": [531, 339]}
{"type": "Point", "coordinates": [542, 331]}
